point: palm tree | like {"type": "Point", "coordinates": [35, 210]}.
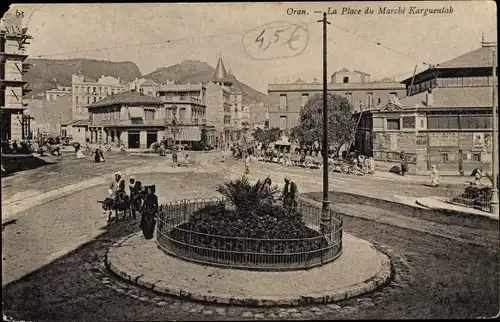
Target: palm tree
{"type": "Point", "coordinates": [246, 197]}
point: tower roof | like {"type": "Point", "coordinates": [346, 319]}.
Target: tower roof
{"type": "Point", "coordinates": [220, 73]}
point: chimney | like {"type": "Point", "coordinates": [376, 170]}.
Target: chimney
{"type": "Point", "coordinates": [429, 98]}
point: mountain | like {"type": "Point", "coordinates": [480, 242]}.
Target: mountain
{"type": "Point", "coordinates": [45, 74]}
{"type": "Point", "coordinates": [194, 71]}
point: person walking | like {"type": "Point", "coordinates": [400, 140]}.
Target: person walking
{"type": "Point", "coordinates": [149, 212]}
{"type": "Point", "coordinates": [247, 165]}
{"type": "Point", "coordinates": [135, 188]}
{"type": "Point", "coordinates": [404, 163]}
{"type": "Point", "coordinates": [460, 163]}
{"type": "Point", "coordinates": [98, 156]}
{"type": "Point", "coordinates": [434, 176]}
{"type": "Point", "coordinates": [289, 195]}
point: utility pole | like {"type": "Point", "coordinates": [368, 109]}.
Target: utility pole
{"type": "Point", "coordinates": [494, 141]}
{"type": "Point", "coordinates": [325, 213]}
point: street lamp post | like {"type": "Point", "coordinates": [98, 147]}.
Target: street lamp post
{"type": "Point", "coordinates": [494, 143]}
{"type": "Point", "coordinates": [175, 127]}
{"type": "Point", "coordinates": [325, 213]}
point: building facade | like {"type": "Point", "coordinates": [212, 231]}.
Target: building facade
{"type": "Point", "coordinates": [144, 86]}
{"type": "Point", "coordinates": [86, 91]}
{"type": "Point", "coordinates": [53, 94]}
{"type": "Point", "coordinates": [287, 100]}
{"type": "Point", "coordinates": [447, 116]}
{"type": "Point", "coordinates": [137, 120]}
{"type": "Point", "coordinates": [13, 38]}
{"type": "Point", "coordinates": [184, 104]}
{"type": "Point", "coordinates": [132, 119]}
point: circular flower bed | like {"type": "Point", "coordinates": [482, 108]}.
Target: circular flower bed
{"type": "Point", "coordinates": [248, 229]}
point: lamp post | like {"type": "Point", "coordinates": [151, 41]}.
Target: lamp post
{"type": "Point", "coordinates": [494, 142]}
{"type": "Point", "coordinates": [325, 213]}
{"type": "Point", "coordinates": [175, 127]}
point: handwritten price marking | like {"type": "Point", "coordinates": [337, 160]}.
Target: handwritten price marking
{"type": "Point", "coordinates": [277, 39]}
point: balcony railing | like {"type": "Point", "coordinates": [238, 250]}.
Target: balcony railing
{"type": "Point", "coordinates": [187, 121]}
{"type": "Point", "coordinates": [182, 99]}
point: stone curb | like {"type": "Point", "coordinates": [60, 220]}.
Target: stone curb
{"type": "Point", "coordinates": [381, 278]}
{"type": "Point", "coordinates": [454, 212]}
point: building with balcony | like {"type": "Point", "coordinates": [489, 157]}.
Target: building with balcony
{"type": "Point", "coordinates": [86, 91]}
{"type": "Point", "coordinates": [130, 118]}
{"type": "Point", "coordinates": [13, 38]}
{"type": "Point", "coordinates": [446, 116]}
{"type": "Point", "coordinates": [286, 100]}
{"type": "Point", "coordinates": [53, 94]}
{"type": "Point", "coordinates": [137, 120]}
{"type": "Point", "coordinates": [144, 86]}
{"type": "Point", "coordinates": [185, 117]}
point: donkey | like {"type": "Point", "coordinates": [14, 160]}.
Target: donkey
{"type": "Point", "coordinates": [124, 206]}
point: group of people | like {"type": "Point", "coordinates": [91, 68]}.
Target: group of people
{"type": "Point", "coordinates": [289, 194]}
{"type": "Point", "coordinates": [141, 198]}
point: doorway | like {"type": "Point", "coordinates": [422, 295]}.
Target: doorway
{"type": "Point", "coordinates": [134, 140]}
{"type": "Point", "coordinates": [151, 137]}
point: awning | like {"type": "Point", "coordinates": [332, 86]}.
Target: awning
{"type": "Point", "coordinates": [135, 112]}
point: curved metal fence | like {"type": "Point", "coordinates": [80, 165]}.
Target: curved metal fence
{"type": "Point", "coordinates": [175, 238]}
{"type": "Point", "coordinates": [468, 195]}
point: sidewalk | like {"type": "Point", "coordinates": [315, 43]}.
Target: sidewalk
{"type": "Point", "coordinates": [441, 205]}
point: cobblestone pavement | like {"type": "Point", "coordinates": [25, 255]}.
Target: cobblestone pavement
{"type": "Point", "coordinates": [435, 277]}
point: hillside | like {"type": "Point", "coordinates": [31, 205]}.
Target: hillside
{"type": "Point", "coordinates": [195, 71]}
{"type": "Point", "coordinates": [46, 74]}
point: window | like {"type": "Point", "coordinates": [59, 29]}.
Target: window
{"type": "Point", "coordinates": [305, 98]}
{"type": "Point", "coordinates": [408, 122]}
{"type": "Point", "coordinates": [439, 122]}
{"type": "Point", "coordinates": [379, 100]}
{"type": "Point", "coordinates": [349, 97]}
{"type": "Point", "coordinates": [476, 157]}
{"type": "Point", "coordinates": [369, 99]}
{"type": "Point", "coordinates": [393, 124]}
{"type": "Point", "coordinates": [283, 102]}
{"type": "Point", "coordinates": [475, 122]}
{"type": "Point", "coordinates": [444, 157]}
{"type": "Point", "coordinates": [345, 80]}
{"type": "Point", "coordinates": [421, 123]}
{"type": "Point", "coordinates": [88, 100]}
{"type": "Point", "coordinates": [283, 121]}
{"type": "Point", "coordinates": [94, 90]}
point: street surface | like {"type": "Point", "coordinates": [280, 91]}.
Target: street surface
{"type": "Point", "coordinates": [445, 266]}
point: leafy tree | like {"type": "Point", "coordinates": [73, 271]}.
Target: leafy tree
{"type": "Point", "coordinates": [267, 136]}
{"type": "Point", "coordinates": [341, 124]}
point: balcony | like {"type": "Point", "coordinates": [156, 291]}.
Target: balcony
{"type": "Point", "coordinates": [187, 121]}
{"type": "Point", "coordinates": [182, 100]}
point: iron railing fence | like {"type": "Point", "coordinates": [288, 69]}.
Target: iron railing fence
{"type": "Point", "coordinates": [321, 241]}
{"type": "Point", "coordinates": [478, 197]}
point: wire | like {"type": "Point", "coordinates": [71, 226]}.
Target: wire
{"type": "Point", "coordinates": [224, 34]}
{"type": "Point", "coordinates": [140, 45]}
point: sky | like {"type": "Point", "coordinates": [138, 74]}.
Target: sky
{"type": "Point", "coordinates": [203, 31]}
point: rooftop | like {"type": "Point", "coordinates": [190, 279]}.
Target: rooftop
{"type": "Point", "coordinates": [220, 73]}
{"type": "Point", "coordinates": [127, 98]}
{"type": "Point", "coordinates": [481, 57]}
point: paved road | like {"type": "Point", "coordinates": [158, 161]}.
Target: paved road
{"type": "Point", "coordinates": [439, 272]}
{"type": "Point", "coordinates": [49, 231]}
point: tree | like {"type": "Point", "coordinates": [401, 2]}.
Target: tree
{"type": "Point", "coordinates": [341, 124]}
{"type": "Point", "coordinates": [267, 136]}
